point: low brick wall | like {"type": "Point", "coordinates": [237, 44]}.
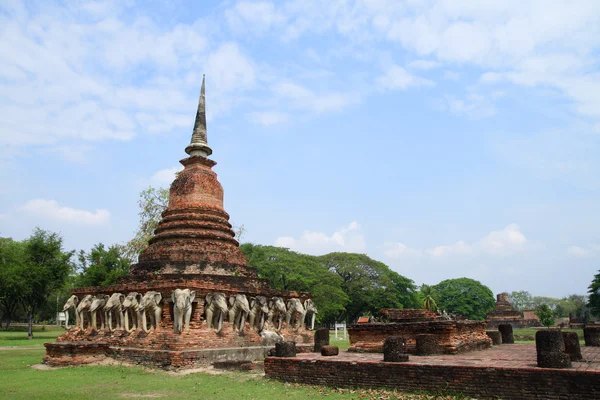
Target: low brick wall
{"type": "Point", "coordinates": [454, 336]}
{"type": "Point", "coordinates": [480, 382]}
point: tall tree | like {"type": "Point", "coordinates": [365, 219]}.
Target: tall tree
{"type": "Point", "coordinates": [465, 296]}
{"type": "Point", "coordinates": [428, 297]}
{"type": "Point", "coordinates": [46, 269]}
{"type": "Point", "coordinates": [12, 261]}
{"type": "Point", "coordinates": [288, 270]}
{"type": "Point", "coordinates": [101, 266]}
{"type": "Point", "coordinates": [521, 300]}
{"type": "Point", "coordinates": [545, 314]}
{"type": "Point", "coordinates": [371, 285]}
{"type": "Point", "coordinates": [594, 295]}
{"type": "Point", "coordinates": [152, 203]}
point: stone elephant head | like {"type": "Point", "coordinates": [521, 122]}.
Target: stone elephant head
{"type": "Point", "coordinates": [150, 310]}
{"type": "Point", "coordinates": [182, 309]}
{"type": "Point", "coordinates": [114, 307]}
{"type": "Point", "coordinates": [295, 314]}
{"type": "Point", "coordinates": [239, 308]}
{"type": "Point", "coordinates": [83, 310]}
{"type": "Point", "coordinates": [311, 311]}
{"type": "Point", "coordinates": [98, 304]}
{"type": "Point", "coordinates": [216, 309]}
{"type": "Point", "coordinates": [71, 303]}
{"type": "Point", "coordinates": [131, 307]}
{"type": "Point", "coordinates": [259, 311]}
{"type": "Point", "coordinates": [277, 312]}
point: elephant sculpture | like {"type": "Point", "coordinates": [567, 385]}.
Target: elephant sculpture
{"type": "Point", "coordinates": [71, 303]}
{"type": "Point", "coordinates": [182, 309]}
{"type": "Point", "coordinates": [259, 310]}
{"type": "Point", "coordinates": [151, 310]}
{"type": "Point", "coordinates": [311, 311]}
{"type": "Point", "coordinates": [238, 311]}
{"type": "Point", "coordinates": [277, 312]}
{"type": "Point", "coordinates": [114, 306]}
{"type": "Point", "coordinates": [131, 306]}
{"type": "Point", "coordinates": [83, 309]}
{"type": "Point", "coordinates": [98, 303]}
{"type": "Point", "coordinates": [294, 317]}
{"type": "Point", "coordinates": [216, 309]}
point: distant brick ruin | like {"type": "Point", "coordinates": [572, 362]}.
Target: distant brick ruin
{"type": "Point", "coordinates": [505, 313]}
{"type": "Point", "coordinates": [452, 336]}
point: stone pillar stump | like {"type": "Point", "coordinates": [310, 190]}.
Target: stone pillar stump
{"type": "Point", "coordinates": [550, 348]}
{"type": "Point", "coordinates": [285, 349]}
{"type": "Point", "coordinates": [330, 350]}
{"type": "Point", "coordinates": [572, 347]}
{"type": "Point", "coordinates": [591, 336]}
{"type": "Point", "coordinates": [321, 339]}
{"type": "Point", "coordinates": [506, 330]}
{"type": "Point", "coordinates": [496, 337]}
{"type": "Point", "coordinates": [394, 349]}
{"type": "Point", "coordinates": [428, 344]}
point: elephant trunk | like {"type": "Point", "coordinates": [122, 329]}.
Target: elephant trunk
{"type": "Point", "coordinates": [220, 322]}
{"type": "Point", "coordinates": [127, 321]}
{"type": "Point", "coordinates": [144, 321]}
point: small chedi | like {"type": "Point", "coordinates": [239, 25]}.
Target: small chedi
{"type": "Point", "coordinates": [191, 298]}
{"type": "Point", "coordinates": [450, 337]}
{"type": "Point", "coordinates": [504, 313]}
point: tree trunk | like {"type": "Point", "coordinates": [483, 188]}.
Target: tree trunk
{"type": "Point", "coordinates": [7, 323]}
{"type": "Point", "coordinates": [30, 325]}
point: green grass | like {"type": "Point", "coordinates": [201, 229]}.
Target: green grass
{"type": "Point", "coordinates": [341, 343]}
{"type": "Point", "coordinates": [21, 381]}
{"type": "Point", "coordinates": [532, 331]}
{"type": "Point", "coordinates": [20, 338]}
{"type": "Point", "coordinates": [36, 328]}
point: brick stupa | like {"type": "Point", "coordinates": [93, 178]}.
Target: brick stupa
{"type": "Point", "coordinates": [194, 248]}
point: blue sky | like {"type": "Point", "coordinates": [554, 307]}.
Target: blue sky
{"type": "Point", "coordinates": [444, 138]}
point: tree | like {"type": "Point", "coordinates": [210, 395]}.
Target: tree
{"type": "Point", "coordinates": [12, 261]}
{"type": "Point", "coordinates": [545, 314]}
{"type": "Point", "coordinates": [288, 270]}
{"type": "Point", "coordinates": [370, 285]}
{"type": "Point", "coordinates": [46, 269]}
{"type": "Point", "coordinates": [428, 296]}
{"type": "Point", "coordinates": [594, 295]}
{"type": "Point", "coordinates": [101, 266]}
{"type": "Point", "coordinates": [465, 296]}
{"type": "Point", "coordinates": [152, 203]}
{"type": "Point", "coordinates": [521, 300]}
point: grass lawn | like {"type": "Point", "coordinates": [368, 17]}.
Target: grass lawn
{"type": "Point", "coordinates": [21, 381]}
{"type": "Point", "coordinates": [532, 331]}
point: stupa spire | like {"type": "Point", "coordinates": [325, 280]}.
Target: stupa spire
{"type": "Point", "coordinates": [199, 145]}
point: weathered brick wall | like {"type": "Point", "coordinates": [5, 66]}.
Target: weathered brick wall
{"type": "Point", "coordinates": [455, 337]}
{"type": "Point", "coordinates": [479, 382]}
{"type": "Point", "coordinates": [407, 314]}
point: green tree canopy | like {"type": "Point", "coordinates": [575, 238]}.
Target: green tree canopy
{"type": "Point", "coordinates": [288, 270]}
{"type": "Point", "coordinates": [101, 266]}
{"type": "Point", "coordinates": [13, 259]}
{"type": "Point", "coordinates": [521, 300]}
{"type": "Point", "coordinates": [594, 295]}
{"type": "Point", "coordinates": [370, 285]}
{"type": "Point", "coordinates": [428, 296]}
{"type": "Point", "coordinates": [545, 314]}
{"type": "Point", "coordinates": [465, 296]}
{"type": "Point", "coordinates": [46, 269]}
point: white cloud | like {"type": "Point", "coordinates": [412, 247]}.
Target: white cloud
{"type": "Point", "coordinates": [52, 210]}
{"type": "Point", "coordinates": [497, 243]}
{"type": "Point", "coordinates": [424, 64]}
{"type": "Point", "coordinates": [584, 252]}
{"type": "Point", "coordinates": [347, 239]}
{"type": "Point", "coordinates": [397, 250]}
{"type": "Point", "coordinates": [165, 177]}
{"type": "Point", "coordinates": [397, 77]}
{"type": "Point", "coordinates": [253, 17]}
{"type": "Point", "coordinates": [268, 118]}
{"type": "Point", "coordinates": [300, 97]}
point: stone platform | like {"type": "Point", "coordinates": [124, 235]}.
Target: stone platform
{"type": "Point", "coordinates": [505, 371]}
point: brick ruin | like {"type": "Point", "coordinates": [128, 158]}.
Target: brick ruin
{"type": "Point", "coordinates": [505, 313]}
{"type": "Point", "coordinates": [193, 248]}
{"type": "Point", "coordinates": [453, 336]}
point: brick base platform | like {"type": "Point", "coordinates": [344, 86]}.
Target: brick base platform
{"type": "Point", "coordinates": [505, 371]}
